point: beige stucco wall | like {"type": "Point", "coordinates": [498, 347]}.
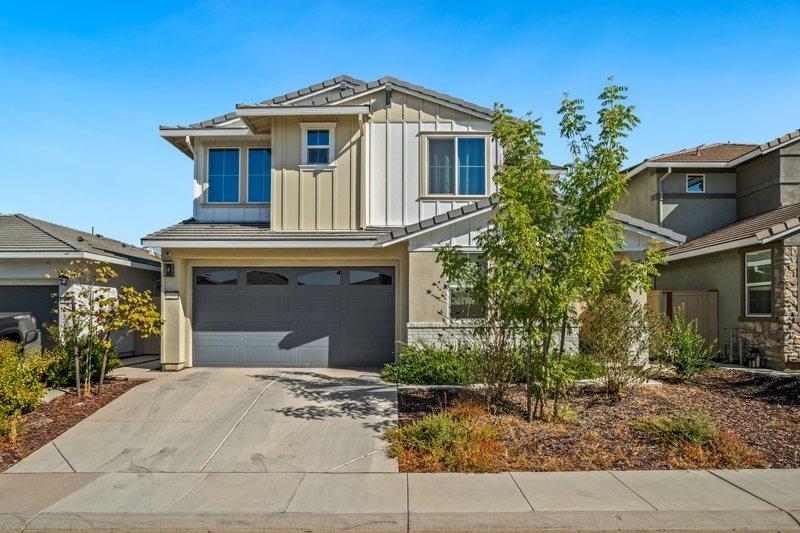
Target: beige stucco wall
{"type": "Point", "coordinates": [314, 199]}
{"type": "Point", "coordinates": [176, 346]}
{"type": "Point", "coordinates": [424, 271]}
{"type": "Point", "coordinates": [720, 272]}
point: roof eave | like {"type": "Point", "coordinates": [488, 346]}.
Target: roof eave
{"type": "Point", "coordinates": [263, 243]}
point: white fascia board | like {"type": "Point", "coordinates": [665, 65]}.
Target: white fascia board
{"type": "Point", "coordinates": [300, 243]}
{"type": "Point", "coordinates": [750, 241]}
{"type": "Point", "coordinates": [650, 234]}
{"type": "Point", "coordinates": [207, 132]}
{"type": "Point", "coordinates": [780, 235]}
{"type": "Point", "coordinates": [420, 96]}
{"type": "Point", "coordinates": [675, 164]}
{"type": "Point", "coordinates": [434, 227]}
{"type": "Point", "coordinates": [80, 255]}
{"type": "Point", "coordinates": [302, 111]}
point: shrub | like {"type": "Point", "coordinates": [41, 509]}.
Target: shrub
{"type": "Point", "coordinates": [582, 366]}
{"type": "Point", "coordinates": [614, 333]}
{"type": "Point", "coordinates": [447, 441]}
{"type": "Point", "coordinates": [693, 441]}
{"type": "Point", "coordinates": [678, 429]}
{"type": "Point", "coordinates": [677, 343]}
{"type": "Point", "coordinates": [426, 364]}
{"type": "Point", "coordinates": [21, 388]}
{"type": "Point", "coordinates": [61, 372]}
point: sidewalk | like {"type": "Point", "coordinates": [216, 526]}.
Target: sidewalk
{"type": "Point", "coordinates": [707, 500]}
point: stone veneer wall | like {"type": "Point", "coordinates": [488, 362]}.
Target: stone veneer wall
{"type": "Point", "coordinates": [441, 333]}
{"type": "Point", "coordinates": [779, 339]}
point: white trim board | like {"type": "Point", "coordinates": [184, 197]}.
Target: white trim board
{"type": "Point", "coordinates": [294, 243]}
{"type": "Point", "coordinates": [80, 255]}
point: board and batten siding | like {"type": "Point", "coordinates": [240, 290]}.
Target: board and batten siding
{"type": "Point", "coordinates": [393, 186]}
{"type": "Point", "coordinates": [319, 199]}
{"type": "Point", "coordinates": [228, 212]}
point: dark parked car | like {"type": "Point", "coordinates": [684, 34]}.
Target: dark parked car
{"type": "Point", "coordinates": [20, 327]}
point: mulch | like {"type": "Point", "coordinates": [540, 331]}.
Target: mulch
{"type": "Point", "coordinates": [762, 411]}
{"type": "Point", "coordinates": [50, 420]}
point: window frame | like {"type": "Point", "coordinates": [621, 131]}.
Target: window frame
{"type": "Point", "coordinates": [459, 286]}
{"type": "Point", "coordinates": [426, 136]}
{"type": "Point", "coordinates": [703, 176]}
{"type": "Point", "coordinates": [247, 175]}
{"type": "Point", "coordinates": [207, 172]}
{"type": "Point", "coordinates": [746, 284]}
{"type": "Point", "coordinates": [304, 127]}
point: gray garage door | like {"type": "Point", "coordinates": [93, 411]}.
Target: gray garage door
{"type": "Point", "coordinates": [293, 316]}
{"type": "Point", "coordinates": [37, 299]}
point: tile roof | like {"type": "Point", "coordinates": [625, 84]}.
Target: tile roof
{"type": "Point", "coordinates": [757, 229]}
{"type": "Point", "coordinates": [192, 230]}
{"type": "Point", "coordinates": [21, 233]}
{"type": "Point", "coordinates": [780, 140]}
{"type": "Point", "coordinates": [481, 205]}
{"type": "Point", "coordinates": [717, 152]}
{"type": "Point", "coordinates": [349, 87]}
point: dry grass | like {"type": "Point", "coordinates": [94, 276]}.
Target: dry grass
{"type": "Point", "coordinates": [756, 424]}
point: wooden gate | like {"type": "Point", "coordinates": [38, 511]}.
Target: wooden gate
{"type": "Point", "coordinates": [698, 305]}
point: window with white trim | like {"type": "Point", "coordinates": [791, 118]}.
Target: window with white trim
{"type": "Point", "coordinates": [460, 302]}
{"type": "Point", "coordinates": [695, 183]}
{"type": "Point", "coordinates": [456, 166]}
{"type": "Point", "coordinates": [758, 283]}
{"type": "Point", "coordinates": [223, 175]}
{"type": "Point", "coordinates": [318, 143]}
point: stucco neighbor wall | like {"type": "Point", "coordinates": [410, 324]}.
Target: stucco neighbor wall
{"type": "Point", "coordinates": [720, 272]}
{"type": "Point", "coordinates": [639, 202]}
{"type": "Point", "coordinates": [176, 345]}
{"type": "Point", "coordinates": [34, 272]}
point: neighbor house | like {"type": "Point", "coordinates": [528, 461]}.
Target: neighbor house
{"type": "Point", "coordinates": [317, 215]}
{"type": "Point", "coordinates": [738, 204]}
{"type": "Point", "coordinates": [32, 250]}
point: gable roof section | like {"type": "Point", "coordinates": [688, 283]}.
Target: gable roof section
{"type": "Point", "coordinates": [350, 87]}
{"type": "Point", "coordinates": [717, 155]}
{"type": "Point", "coordinates": [760, 229]}
{"type": "Point", "coordinates": [420, 228]}
{"type": "Point", "coordinates": [23, 236]}
{"type": "Point", "coordinates": [717, 152]}
{"type": "Point", "coordinates": [334, 97]}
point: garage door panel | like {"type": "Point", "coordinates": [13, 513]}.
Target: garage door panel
{"type": "Point", "coordinates": [291, 324]}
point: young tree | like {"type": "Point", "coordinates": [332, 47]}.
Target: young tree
{"type": "Point", "coordinates": [101, 315]}
{"type": "Point", "coordinates": [551, 242]}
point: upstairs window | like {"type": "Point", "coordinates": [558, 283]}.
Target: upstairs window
{"type": "Point", "coordinates": [695, 183]}
{"type": "Point", "coordinates": [457, 166]}
{"type": "Point", "coordinates": [223, 175]}
{"type": "Point", "coordinates": [318, 143]}
{"type": "Point", "coordinates": [258, 175]}
{"type": "Point", "coordinates": [758, 283]}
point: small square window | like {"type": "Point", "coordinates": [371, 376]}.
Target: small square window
{"type": "Point", "coordinates": [317, 147]}
{"type": "Point", "coordinates": [457, 166]}
{"type": "Point", "coordinates": [695, 183]}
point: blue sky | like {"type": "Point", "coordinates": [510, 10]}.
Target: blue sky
{"type": "Point", "coordinates": [85, 85]}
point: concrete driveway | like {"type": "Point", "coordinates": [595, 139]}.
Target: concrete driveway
{"type": "Point", "coordinates": [233, 420]}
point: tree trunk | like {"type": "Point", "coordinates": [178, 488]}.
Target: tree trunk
{"type": "Point", "coordinates": [561, 342]}
{"type": "Point", "coordinates": [102, 372]}
{"type": "Point", "coordinates": [528, 381]}
{"type": "Point", "coordinates": [77, 370]}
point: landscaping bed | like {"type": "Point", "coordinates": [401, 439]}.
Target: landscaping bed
{"type": "Point", "coordinates": [720, 419]}
{"type": "Point", "coordinates": [50, 420]}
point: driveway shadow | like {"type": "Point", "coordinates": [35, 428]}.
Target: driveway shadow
{"type": "Point", "coordinates": [326, 397]}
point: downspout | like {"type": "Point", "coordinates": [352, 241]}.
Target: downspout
{"type": "Point", "coordinates": [660, 194]}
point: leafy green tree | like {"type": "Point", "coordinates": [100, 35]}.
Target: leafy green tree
{"type": "Point", "coordinates": [101, 316]}
{"type": "Point", "coordinates": [551, 242]}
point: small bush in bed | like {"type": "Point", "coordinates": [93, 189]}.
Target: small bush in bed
{"type": "Point", "coordinates": [426, 364]}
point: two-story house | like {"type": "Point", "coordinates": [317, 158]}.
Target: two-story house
{"type": "Point", "coordinates": [738, 206]}
{"type": "Point", "coordinates": [316, 220]}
